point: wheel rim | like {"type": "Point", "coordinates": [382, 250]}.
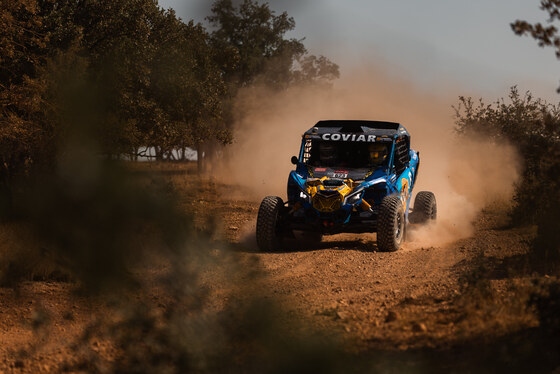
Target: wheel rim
{"type": "Point", "coordinates": [398, 228]}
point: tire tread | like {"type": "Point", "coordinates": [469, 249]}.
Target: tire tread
{"type": "Point", "coordinates": [425, 207]}
{"type": "Point", "coordinates": [390, 206]}
{"type": "Point", "coordinates": [267, 220]}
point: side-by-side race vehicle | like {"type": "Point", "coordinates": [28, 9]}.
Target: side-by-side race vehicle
{"type": "Point", "coordinates": [352, 177]}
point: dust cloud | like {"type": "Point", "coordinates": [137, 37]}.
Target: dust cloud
{"type": "Point", "coordinates": [464, 174]}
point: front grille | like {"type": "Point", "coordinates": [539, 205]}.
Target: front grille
{"type": "Point", "coordinates": [327, 193]}
{"type": "Point", "coordinates": [327, 203]}
{"type": "Point", "coordinates": [333, 182]}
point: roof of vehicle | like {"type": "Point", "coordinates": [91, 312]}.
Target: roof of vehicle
{"type": "Point", "coordinates": [378, 128]}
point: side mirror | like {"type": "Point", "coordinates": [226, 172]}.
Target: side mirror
{"type": "Point", "coordinates": [294, 160]}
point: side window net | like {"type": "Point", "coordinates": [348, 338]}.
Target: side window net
{"type": "Point", "coordinates": [402, 156]}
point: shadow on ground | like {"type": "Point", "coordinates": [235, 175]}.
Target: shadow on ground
{"type": "Point", "coordinates": [294, 245]}
{"type": "Point", "coordinates": [534, 350]}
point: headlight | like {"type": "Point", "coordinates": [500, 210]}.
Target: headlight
{"type": "Point", "coordinates": [354, 197]}
{"type": "Point", "coordinates": [303, 195]}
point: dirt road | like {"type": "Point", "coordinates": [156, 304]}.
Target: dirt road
{"type": "Point", "coordinates": [412, 299]}
{"type": "Point", "coordinates": [404, 299]}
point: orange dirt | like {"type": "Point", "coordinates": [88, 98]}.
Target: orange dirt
{"type": "Point", "coordinates": [410, 299]}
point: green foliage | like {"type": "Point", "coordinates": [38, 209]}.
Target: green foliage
{"type": "Point", "coordinates": [154, 77]}
{"type": "Point", "coordinates": [25, 134]}
{"type": "Point", "coordinates": [548, 241]}
{"type": "Point", "coordinates": [533, 127]}
{"type": "Point", "coordinates": [546, 36]}
{"type": "Point", "coordinates": [254, 49]}
{"type": "Point", "coordinates": [159, 82]}
{"type": "Point", "coordinates": [315, 69]}
{"type": "Point", "coordinates": [187, 84]}
{"type": "Point", "coordinates": [116, 40]}
{"type": "Point", "coordinates": [87, 80]}
{"type": "Point", "coordinates": [156, 73]}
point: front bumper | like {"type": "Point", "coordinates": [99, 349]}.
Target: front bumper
{"type": "Point", "coordinates": [348, 219]}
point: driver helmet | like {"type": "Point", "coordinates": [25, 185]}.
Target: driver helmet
{"type": "Point", "coordinates": [327, 152]}
{"type": "Point", "coordinates": [377, 153]}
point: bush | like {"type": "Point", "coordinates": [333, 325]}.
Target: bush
{"type": "Point", "coordinates": [533, 127]}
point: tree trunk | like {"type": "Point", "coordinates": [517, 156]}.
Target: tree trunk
{"type": "Point", "coordinates": [170, 156]}
{"type": "Point", "coordinates": [200, 158]}
{"type": "Point", "coordinates": [159, 153]}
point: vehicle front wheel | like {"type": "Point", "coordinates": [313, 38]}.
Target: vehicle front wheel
{"type": "Point", "coordinates": [390, 224]}
{"type": "Point", "coordinates": [269, 237]}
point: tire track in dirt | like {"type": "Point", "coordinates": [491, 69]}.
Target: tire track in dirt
{"type": "Point", "coordinates": [382, 300]}
{"type": "Point", "coordinates": [343, 285]}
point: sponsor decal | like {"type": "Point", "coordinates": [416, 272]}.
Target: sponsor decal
{"type": "Point", "coordinates": [320, 169]}
{"type": "Point", "coordinates": [404, 192]}
{"type": "Point", "coordinates": [340, 174]}
{"type": "Point", "coordinates": [349, 137]}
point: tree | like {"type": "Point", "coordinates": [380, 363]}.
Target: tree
{"type": "Point", "coordinates": [254, 49]}
{"type": "Point", "coordinates": [187, 84]}
{"type": "Point", "coordinates": [117, 42]}
{"type": "Point", "coordinates": [251, 48]}
{"type": "Point", "coordinates": [140, 75]}
{"type": "Point", "coordinates": [26, 137]}
{"type": "Point", "coordinates": [546, 36]}
{"type": "Point", "coordinates": [154, 75]}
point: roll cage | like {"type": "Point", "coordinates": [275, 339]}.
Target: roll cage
{"type": "Point", "coordinates": [360, 133]}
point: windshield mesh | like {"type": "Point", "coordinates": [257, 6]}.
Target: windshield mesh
{"type": "Point", "coordinates": [346, 154]}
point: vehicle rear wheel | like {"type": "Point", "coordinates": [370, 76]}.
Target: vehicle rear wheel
{"type": "Point", "coordinates": [390, 224]}
{"type": "Point", "coordinates": [269, 237]}
{"type": "Point", "coordinates": [425, 207]}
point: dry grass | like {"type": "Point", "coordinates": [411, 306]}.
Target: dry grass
{"type": "Point", "coordinates": [22, 257]}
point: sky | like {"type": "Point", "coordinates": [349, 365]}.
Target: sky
{"type": "Point", "coordinates": [443, 46]}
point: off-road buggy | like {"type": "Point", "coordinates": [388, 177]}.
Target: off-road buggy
{"type": "Point", "coordinates": [351, 176]}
